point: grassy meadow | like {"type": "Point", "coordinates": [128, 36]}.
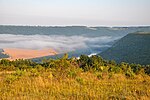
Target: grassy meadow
{"type": "Point", "coordinates": [87, 78]}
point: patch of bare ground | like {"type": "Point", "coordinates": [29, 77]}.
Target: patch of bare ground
{"type": "Point", "coordinates": [16, 53]}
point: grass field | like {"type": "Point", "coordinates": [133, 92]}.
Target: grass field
{"type": "Point", "coordinates": [87, 78]}
{"type": "Point", "coordinates": [47, 85]}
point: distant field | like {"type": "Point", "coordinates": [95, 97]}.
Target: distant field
{"type": "Point", "coordinates": [15, 53]}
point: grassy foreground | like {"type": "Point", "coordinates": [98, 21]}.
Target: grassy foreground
{"type": "Point", "coordinates": [67, 79]}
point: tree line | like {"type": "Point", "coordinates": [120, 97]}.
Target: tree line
{"type": "Point", "coordinates": [94, 63]}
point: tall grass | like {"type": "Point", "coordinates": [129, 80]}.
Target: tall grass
{"type": "Point", "coordinates": [47, 85]}
{"type": "Point", "coordinates": [71, 79]}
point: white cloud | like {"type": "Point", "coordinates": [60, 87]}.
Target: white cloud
{"type": "Point", "coordinates": [57, 42]}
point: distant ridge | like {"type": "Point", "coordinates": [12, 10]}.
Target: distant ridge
{"type": "Point", "coordinates": [141, 33]}
{"type": "Point", "coordinates": [70, 30]}
{"type": "Point", "coordinates": [133, 48]}
{"type": "Point", "coordinates": [2, 55]}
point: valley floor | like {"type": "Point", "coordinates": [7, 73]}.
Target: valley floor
{"type": "Point", "coordinates": [16, 53]}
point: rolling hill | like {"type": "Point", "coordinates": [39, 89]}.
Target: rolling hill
{"type": "Point", "coordinates": [3, 55]}
{"type": "Point", "coordinates": [133, 48]}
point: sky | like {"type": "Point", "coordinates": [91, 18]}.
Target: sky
{"type": "Point", "coordinates": [75, 12]}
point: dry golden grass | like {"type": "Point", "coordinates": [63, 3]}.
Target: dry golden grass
{"type": "Point", "coordinates": [45, 85]}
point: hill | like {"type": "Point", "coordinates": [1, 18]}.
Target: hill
{"type": "Point", "coordinates": [3, 55]}
{"type": "Point", "coordinates": [70, 30]}
{"type": "Point", "coordinates": [133, 48]}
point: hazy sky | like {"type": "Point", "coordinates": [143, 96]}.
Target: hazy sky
{"type": "Point", "coordinates": [75, 12]}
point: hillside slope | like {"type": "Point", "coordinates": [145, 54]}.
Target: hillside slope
{"type": "Point", "coordinates": [3, 55]}
{"type": "Point", "coordinates": [133, 48]}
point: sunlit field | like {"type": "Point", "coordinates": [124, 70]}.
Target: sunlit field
{"type": "Point", "coordinates": [65, 79]}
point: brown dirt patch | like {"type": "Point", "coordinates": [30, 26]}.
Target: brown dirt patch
{"type": "Point", "coordinates": [16, 53]}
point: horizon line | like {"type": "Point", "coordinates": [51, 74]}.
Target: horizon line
{"type": "Point", "coordinates": [75, 25]}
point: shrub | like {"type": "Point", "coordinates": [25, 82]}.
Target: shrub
{"type": "Point", "coordinates": [34, 72]}
{"type": "Point", "coordinates": [72, 74]}
{"type": "Point", "coordinates": [99, 76]}
{"type": "Point", "coordinates": [11, 78]}
{"type": "Point", "coordinates": [129, 73]}
{"type": "Point", "coordinates": [115, 69]}
{"type": "Point", "coordinates": [39, 68]}
{"type": "Point", "coordinates": [5, 62]}
{"type": "Point", "coordinates": [80, 80]}
{"type": "Point", "coordinates": [19, 73]}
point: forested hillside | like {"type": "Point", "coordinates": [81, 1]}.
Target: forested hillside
{"type": "Point", "coordinates": [70, 30]}
{"type": "Point", "coordinates": [133, 48]}
{"type": "Point", "coordinates": [3, 55]}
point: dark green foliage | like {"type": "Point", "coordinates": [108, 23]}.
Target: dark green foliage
{"type": "Point", "coordinates": [112, 62]}
{"type": "Point", "coordinates": [23, 64]}
{"type": "Point", "coordinates": [114, 69]}
{"type": "Point", "coordinates": [93, 62]}
{"type": "Point", "coordinates": [69, 67]}
{"type": "Point", "coordinates": [17, 64]}
{"type": "Point", "coordinates": [133, 48]}
{"type": "Point", "coordinates": [129, 72]}
{"type": "Point", "coordinates": [147, 69]}
{"type": "Point", "coordinates": [5, 62]}
{"type": "Point", "coordinates": [84, 62]}
{"type": "Point", "coordinates": [136, 67]}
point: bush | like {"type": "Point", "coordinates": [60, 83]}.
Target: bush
{"type": "Point", "coordinates": [19, 72]}
{"type": "Point", "coordinates": [99, 76]}
{"type": "Point", "coordinates": [72, 74]}
{"type": "Point", "coordinates": [34, 72]}
{"type": "Point", "coordinates": [39, 68]}
{"type": "Point", "coordinates": [129, 73]}
{"type": "Point", "coordinates": [80, 80]}
{"type": "Point", "coordinates": [11, 78]}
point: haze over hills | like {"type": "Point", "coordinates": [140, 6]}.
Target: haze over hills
{"type": "Point", "coordinates": [75, 40]}
{"type": "Point", "coordinates": [133, 48]}
{"type": "Point", "coordinates": [3, 55]}
{"type": "Point", "coordinates": [50, 49]}
{"type": "Point", "coordinates": [70, 30]}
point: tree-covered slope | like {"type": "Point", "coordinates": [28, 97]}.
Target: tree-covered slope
{"type": "Point", "coordinates": [133, 48]}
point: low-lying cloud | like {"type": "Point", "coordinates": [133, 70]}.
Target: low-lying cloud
{"type": "Point", "coordinates": [57, 42]}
